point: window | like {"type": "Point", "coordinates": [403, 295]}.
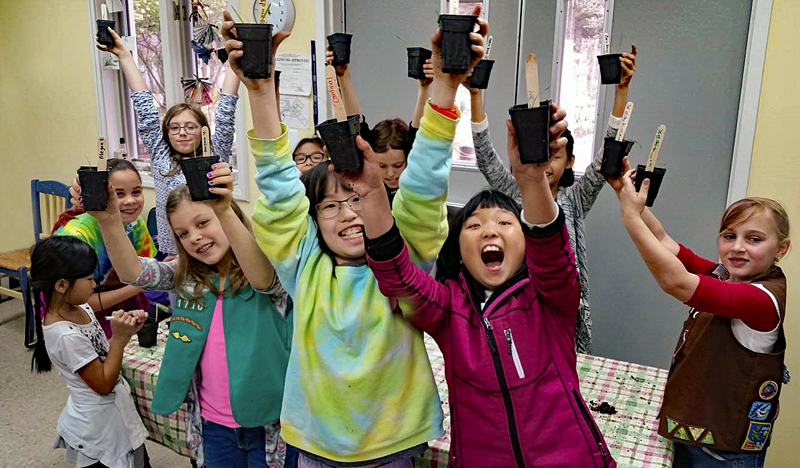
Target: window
{"type": "Point", "coordinates": [579, 79]}
{"type": "Point", "coordinates": [159, 33]}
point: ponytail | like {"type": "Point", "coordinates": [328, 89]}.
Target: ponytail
{"type": "Point", "coordinates": [40, 360]}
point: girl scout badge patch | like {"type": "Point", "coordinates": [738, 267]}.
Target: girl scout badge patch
{"type": "Point", "coordinates": [759, 411]}
{"type": "Point", "coordinates": [757, 436]}
{"type": "Point", "coordinates": [768, 390]}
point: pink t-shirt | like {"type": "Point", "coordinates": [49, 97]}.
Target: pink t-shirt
{"type": "Point", "coordinates": [215, 395]}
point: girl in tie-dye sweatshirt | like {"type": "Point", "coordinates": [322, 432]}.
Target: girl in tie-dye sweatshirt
{"type": "Point", "coordinates": [359, 388]}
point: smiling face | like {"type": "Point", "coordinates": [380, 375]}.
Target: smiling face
{"type": "Point", "coordinates": [199, 232]}
{"type": "Point", "coordinates": [492, 245]}
{"type": "Point", "coordinates": [558, 164]}
{"type": "Point", "coordinates": [392, 163]}
{"type": "Point", "coordinates": [748, 249]}
{"type": "Point", "coordinates": [183, 142]}
{"type": "Point", "coordinates": [344, 232]}
{"type": "Point", "coordinates": [129, 194]}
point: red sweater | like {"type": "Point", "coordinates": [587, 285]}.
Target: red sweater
{"type": "Point", "coordinates": [743, 301]}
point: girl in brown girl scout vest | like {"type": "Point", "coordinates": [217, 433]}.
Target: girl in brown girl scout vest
{"type": "Point", "coordinates": [721, 398]}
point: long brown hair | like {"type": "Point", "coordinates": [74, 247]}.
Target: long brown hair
{"type": "Point", "coordinates": [192, 269]}
{"type": "Point", "coordinates": [171, 113]}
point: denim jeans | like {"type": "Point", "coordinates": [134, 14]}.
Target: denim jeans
{"type": "Point", "coordinates": [225, 447]}
{"type": "Point", "coordinates": [689, 456]}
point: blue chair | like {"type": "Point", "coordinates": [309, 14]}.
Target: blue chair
{"type": "Point", "coordinates": [49, 199]}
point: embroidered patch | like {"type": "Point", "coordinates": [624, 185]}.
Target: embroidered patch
{"type": "Point", "coordinates": [681, 434]}
{"type": "Point", "coordinates": [757, 436]}
{"type": "Point", "coordinates": [707, 439]}
{"type": "Point", "coordinates": [768, 390]}
{"type": "Point", "coordinates": [183, 338]}
{"type": "Point", "coordinates": [671, 425]}
{"type": "Point", "coordinates": [189, 321]}
{"type": "Point", "coordinates": [696, 431]}
{"type": "Point", "coordinates": [759, 411]}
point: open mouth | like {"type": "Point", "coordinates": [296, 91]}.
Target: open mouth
{"type": "Point", "coordinates": [352, 232]}
{"type": "Point", "coordinates": [205, 248]}
{"type": "Point", "coordinates": [492, 257]}
{"type": "Point", "coordinates": [130, 212]}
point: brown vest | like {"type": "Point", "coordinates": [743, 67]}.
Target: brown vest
{"type": "Point", "coordinates": [720, 394]}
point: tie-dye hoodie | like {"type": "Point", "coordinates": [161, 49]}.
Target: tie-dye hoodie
{"type": "Point", "coordinates": [85, 228]}
{"type": "Point", "coordinates": [359, 384]}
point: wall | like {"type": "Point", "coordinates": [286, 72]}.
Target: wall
{"type": "Point", "coordinates": [47, 96]}
{"type": "Point", "coordinates": [773, 173]}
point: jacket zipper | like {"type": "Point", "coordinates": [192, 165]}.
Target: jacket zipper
{"type": "Point", "coordinates": [512, 350]}
{"type": "Point", "coordinates": [498, 368]}
{"type": "Point", "coordinates": [590, 422]}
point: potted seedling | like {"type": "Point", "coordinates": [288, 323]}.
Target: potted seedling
{"type": "Point", "coordinates": [148, 334]}
{"type": "Point", "coordinates": [416, 59]}
{"type": "Point", "coordinates": [103, 36]}
{"type": "Point", "coordinates": [650, 171]}
{"type": "Point", "coordinates": [256, 39]}
{"type": "Point", "coordinates": [340, 45]}
{"type": "Point", "coordinates": [610, 67]}
{"type": "Point", "coordinates": [339, 134]}
{"type": "Point", "coordinates": [532, 122]}
{"type": "Point", "coordinates": [456, 45]}
{"type": "Point", "coordinates": [196, 170]}
{"type": "Point", "coordinates": [94, 181]}
{"type": "Point", "coordinates": [615, 149]}
{"type": "Point", "coordinates": [483, 70]}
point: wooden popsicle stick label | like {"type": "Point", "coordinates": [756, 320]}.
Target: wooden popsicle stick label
{"type": "Point", "coordinates": [657, 142]}
{"type": "Point", "coordinates": [488, 47]}
{"type": "Point", "coordinates": [532, 79]}
{"type": "Point", "coordinates": [606, 43]}
{"type": "Point", "coordinates": [453, 7]}
{"type": "Point", "coordinates": [626, 117]}
{"type": "Point", "coordinates": [335, 92]}
{"type": "Point", "coordinates": [206, 141]}
{"type": "Point", "coordinates": [101, 154]}
{"type": "Point", "coordinates": [103, 11]}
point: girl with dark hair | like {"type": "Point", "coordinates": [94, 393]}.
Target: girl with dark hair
{"type": "Point", "coordinates": [110, 294]}
{"type": "Point", "coordinates": [177, 136]}
{"type": "Point", "coordinates": [229, 334]}
{"type": "Point", "coordinates": [359, 387]}
{"type": "Point", "coordinates": [99, 426]}
{"type": "Point", "coordinates": [504, 319]}
{"type": "Point", "coordinates": [308, 153]}
{"type": "Point", "coordinates": [576, 199]}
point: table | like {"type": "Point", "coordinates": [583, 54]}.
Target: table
{"type": "Point", "coordinates": [631, 434]}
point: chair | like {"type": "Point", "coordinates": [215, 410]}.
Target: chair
{"type": "Point", "coordinates": [49, 198]}
{"type": "Point", "coordinates": [152, 227]}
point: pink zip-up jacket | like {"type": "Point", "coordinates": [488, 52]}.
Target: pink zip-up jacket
{"type": "Point", "coordinates": [509, 362]}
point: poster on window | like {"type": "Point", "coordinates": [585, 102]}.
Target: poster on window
{"type": "Point", "coordinates": [295, 73]}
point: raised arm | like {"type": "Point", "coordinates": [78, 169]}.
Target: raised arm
{"type": "Point", "coordinates": [423, 91]}
{"type": "Point", "coordinates": [126, 63]}
{"type": "Point", "coordinates": [351, 104]}
{"type": "Point", "coordinates": [254, 263]}
{"type": "Point", "coordinates": [225, 116]}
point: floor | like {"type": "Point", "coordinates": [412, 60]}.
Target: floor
{"type": "Point", "coordinates": [31, 403]}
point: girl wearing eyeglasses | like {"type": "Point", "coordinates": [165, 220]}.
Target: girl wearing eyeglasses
{"type": "Point", "coordinates": [308, 153]}
{"type": "Point", "coordinates": [177, 136]}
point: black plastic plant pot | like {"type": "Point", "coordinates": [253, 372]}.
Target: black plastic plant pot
{"type": "Point", "coordinates": [340, 139]}
{"type": "Point", "coordinates": [94, 188]}
{"type": "Point", "coordinates": [613, 152]}
{"type": "Point", "coordinates": [103, 36]}
{"type": "Point", "coordinates": [480, 75]}
{"type": "Point", "coordinates": [456, 51]}
{"type": "Point", "coordinates": [256, 49]}
{"type": "Point", "coordinates": [340, 45]}
{"type": "Point", "coordinates": [148, 335]}
{"type": "Point", "coordinates": [532, 126]}
{"type": "Point", "coordinates": [610, 68]}
{"type": "Point", "coordinates": [656, 177]}
{"type": "Point", "coordinates": [196, 172]}
{"type": "Point", "coordinates": [416, 59]}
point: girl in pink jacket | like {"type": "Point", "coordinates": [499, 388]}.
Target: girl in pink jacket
{"type": "Point", "coordinates": [504, 320]}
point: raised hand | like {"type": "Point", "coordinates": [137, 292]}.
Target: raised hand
{"type": "Point", "coordinates": [112, 204]}
{"type": "Point", "coordinates": [628, 63]}
{"type": "Point", "coordinates": [341, 70]}
{"type": "Point", "coordinates": [631, 202]}
{"type": "Point", "coordinates": [369, 178]}
{"type": "Point", "coordinates": [616, 182]}
{"type": "Point", "coordinates": [234, 49]}
{"type": "Point", "coordinates": [453, 80]}
{"type": "Point", "coordinates": [221, 181]}
{"type": "Point", "coordinates": [118, 48]}
{"type": "Point", "coordinates": [427, 69]}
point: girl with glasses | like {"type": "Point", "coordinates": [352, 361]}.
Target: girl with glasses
{"type": "Point", "coordinates": [178, 136]}
{"type": "Point", "coordinates": [308, 153]}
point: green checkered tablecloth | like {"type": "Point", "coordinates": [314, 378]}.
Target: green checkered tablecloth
{"type": "Point", "coordinates": [634, 391]}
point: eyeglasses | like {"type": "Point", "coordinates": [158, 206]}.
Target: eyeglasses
{"type": "Point", "coordinates": [330, 209]}
{"type": "Point", "coordinates": [300, 158]}
{"type": "Point", "coordinates": [190, 129]}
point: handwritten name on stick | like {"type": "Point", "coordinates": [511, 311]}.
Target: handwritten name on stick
{"type": "Point", "coordinates": [206, 142]}
{"type": "Point", "coordinates": [661, 132]}
{"type": "Point", "coordinates": [336, 94]}
{"type": "Point", "coordinates": [101, 154]}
